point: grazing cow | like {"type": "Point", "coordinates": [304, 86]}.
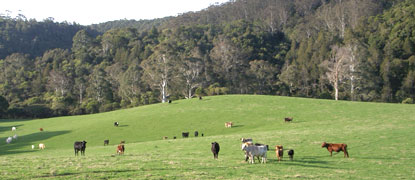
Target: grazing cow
{"type": "Point", "coordinates": [13, 128]}
{"type": "Point", "coordinates": [79, 146]}
{"type": "Point", "coordinates": [165, 137]}
{"type": "Point", "coordinates": [9, 140]}
{"type": "Point", "coordinates": [291, 154]}
{"type": "Point", "coordinates": [196, 133]}
{"type": "Point", "coordinates": [258, 151]}
{"type": "Point", "coordinates": [185, 134]}
{"type": "Point", "coordinates": [202, 134]}
{"type": "Point", "coordinates": [288, 119]}
{"type": "Point", "coordinates": [279, 151]}
{"type": "Point", "coordinates": [116, 124]}
{"type": "Point", "coordinates": [174, 137]}
{"type": "Point", "coordinates": [106, 142]}
{"type": "Point", "coordinates": [42, 146]}
{"type": "Point", "coordinates": [247, 142]}
{"type": "Point", "coordinates": [215, 150]}
{"type": "Point", "coordinates": [120, 149]}
{"type": "Point", "coordinates": [200, 98]}
{"type": "Point", "coordinates": [170, 101]}
{"type": "Point", "coordinates": [41, 129]}
{"type": "Point", "coordinates": [228, 124]}
{"type": "Point", "coordinates": [335, 147]}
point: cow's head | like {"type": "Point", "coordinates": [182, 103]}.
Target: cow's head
{"type": "Point", "coordinates": [324, 145]}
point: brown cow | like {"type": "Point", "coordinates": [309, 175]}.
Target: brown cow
{"type": "Point", "coordinates": [336, 148]}
{"type": "Point", "coordinates": [120, 149]}
{"type": "Point", "coordinates": [228, 124]}
{"type": "Point", "coordinates": [279, 151]}
{"type": "Point", "coordinates": [41, 129]}
{"type": "Point", "coordinates": [288, 119]}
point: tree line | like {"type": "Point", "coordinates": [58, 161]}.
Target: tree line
{"type": "Point", "coordinates": [340, 49]}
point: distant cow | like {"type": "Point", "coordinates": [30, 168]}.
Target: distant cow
{"type": "Point", "coordinates": [200, 98]}
{"type": "Point", "coordinates": [33, 146]}
{"type": "Point", "coordinates": [9, 140]}
{"type": "Point", "coordinates": [116, 124]}
{"type": "Point", "coordinates": [15, 136]}
{"type": "Point", "coordinates": [13, 128]}
{"type": "Point", "coordinates": [202, 134]}
{"type": "Point", "coordinates": [174, 137]}
{"type": "Point", "coordinates": [165, 137]}
{"type": "Point", "coordinates": [170, 101]}
{"type": "Point", "coordinates": [79, 146]}
{"type": "Point", "coordinates": [106, 142]}
{"type": "Point", "coordinates": [120, 149]}
{"type": "Point", "coordinates": [42, 146]}
{"type": "Point", "coordinates": [291, 154]}
{"type": "Point", "coordinates": [196, 133]}
{"type": "Point", "coordinates": [288, 119]}
{"type": "Point", "coordinates": [228, 124]}
{"type": "Point", "coordinates": [41, 129]}
{"type": "Point", "coordinates": [335, 147]}
{"type": "Point", "coordinates": [258, 151]}
{"type": "Point", "coordinates": [279, 151]}
{"type": "Point", "coordinates": [215, 150]}
{"type": "Point", "coordinates": [185, 134]}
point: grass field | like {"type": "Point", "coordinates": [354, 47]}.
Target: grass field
{"type": "Point", "coordinates": [380, 139]}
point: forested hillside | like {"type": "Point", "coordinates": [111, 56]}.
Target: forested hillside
{"type": "Point", "coordinates": [360, 50]}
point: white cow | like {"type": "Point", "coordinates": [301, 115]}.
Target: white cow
{"type": "Point", "coordinates": [41, 146]}
{"type": "Point", "coordinates": [9, 140]}
{"type": "Point", "coordinates": [255, 151]}
{"type": "Point", "coordinates": [13, 128]}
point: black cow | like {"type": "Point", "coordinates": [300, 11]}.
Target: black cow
{"type": "Point", "coordinates": [116, 124]}
{"type": "Point", "coordinates": [170, 101]}
{"type": "Point", "coordinates": [291, 154]}
{"type": "Point", "coordinates": [200, 98]}
{"type": "Point", "coordinates": [202, 134]}
{"type": "Point", "coordinates": [79, 146]}
{"type": "Point", "coordinates": [185, 134]}
{"type": "Point", "coordinates": [106, 142]}
{"type": "Point", "coordinates": [215, 150]}
{"type": "Point", "coordinates": [196, 133]}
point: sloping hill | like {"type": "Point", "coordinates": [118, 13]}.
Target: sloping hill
{"type": "Point", "coordinates": [379, 136]}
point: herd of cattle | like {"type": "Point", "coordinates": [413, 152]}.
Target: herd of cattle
{"type": "Point", "coordinates": [250, 149]}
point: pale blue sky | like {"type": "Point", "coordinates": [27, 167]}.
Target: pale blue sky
{"type": "Point", "coordinates": [87, 12]}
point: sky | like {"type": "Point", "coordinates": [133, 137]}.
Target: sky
{"type": "Point", "coordinates": [86, 12]}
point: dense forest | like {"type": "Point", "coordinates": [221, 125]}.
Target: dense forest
{"type": "Point", "coordinates": [358, 50]}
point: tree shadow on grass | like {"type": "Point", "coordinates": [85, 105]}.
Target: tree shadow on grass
{"type": "Point", "coordinates": [9, 128]}
{"type": "Point", "coordinates": [26, 141]}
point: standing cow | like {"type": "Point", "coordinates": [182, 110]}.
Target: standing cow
{"type": "Point", "coordinates": [116, 124]}
{"type": "Point", "coordinates": [79, 146]}
{"type": "Point", "coordinates": [215, 150]}
{"type": "Point", "coordinates": [336, 148]}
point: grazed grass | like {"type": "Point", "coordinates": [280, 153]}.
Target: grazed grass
{"type": "Point", "coordinates": [379, 137]}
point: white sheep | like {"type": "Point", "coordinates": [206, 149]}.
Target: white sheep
{"type": "Point", "coordinates": [13, 128]}
{"type": "Point", "coordinates": [41, 146]}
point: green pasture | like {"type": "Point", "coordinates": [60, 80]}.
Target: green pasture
{"type": "Point", "coordinates": [380, 139]}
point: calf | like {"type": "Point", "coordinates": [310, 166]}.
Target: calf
{"type": "Point", "coordinates": [79, 146]}
{"type": "Point", "coordinates": [258, 151]}
{"type": "Point", "coordinates": [291, 154]}
{"type": "Point", "coordinates": [42, 146]}
{"type": "Point", "coordinates": [116, 124]}
{"type": "Point", "coordinates": [120, 149]}
{"type": "Point", "coordinates": [336, 148]}
{"type": "Point", "coordinates": [228, 124]}
{"type": "Point", "coordinates": [288, 119]}
{"type": "Point", "coordinates": [185, 134]}
{"type": "Point", "coordinates": [279, 151]}
{"type": "Point", "coordinates": [215, 150]}
{"type": "Point", "coordinates": [106, 142]}
{"type": "Point", "coordinates": [196, 133]}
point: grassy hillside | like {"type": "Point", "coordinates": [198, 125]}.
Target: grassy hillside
{"type": "Point", "coordinates": [379, 136]}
